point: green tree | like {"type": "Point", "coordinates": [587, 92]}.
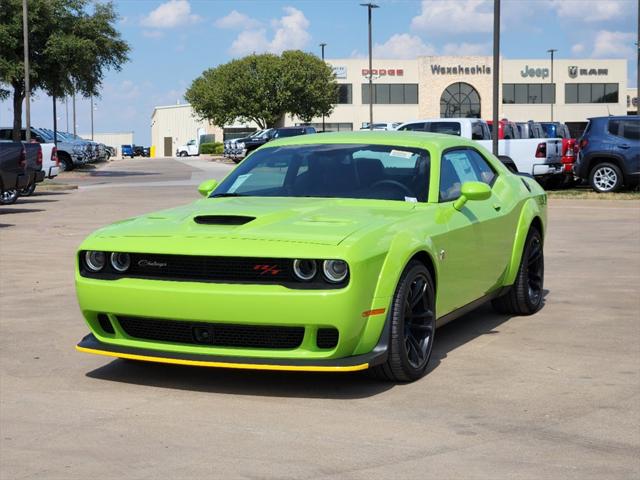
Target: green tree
{"type": "Point", "coordinates": [72, 43]}
{"type": "Point", "coordinates": [264, 88]}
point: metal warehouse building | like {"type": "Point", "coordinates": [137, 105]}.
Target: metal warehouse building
{"type": "Point", "coordinates": [444, 86]}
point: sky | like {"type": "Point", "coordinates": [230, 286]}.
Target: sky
{"type": "Point", "coordinates": [174, 41]}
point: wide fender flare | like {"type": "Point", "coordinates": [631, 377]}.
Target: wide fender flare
{"type": "Point", "coordinates": [403, 247]}
{"type": "Point", "coordinates": [530, 210]}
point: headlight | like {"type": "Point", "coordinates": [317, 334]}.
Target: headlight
{"type": "Point", "coordinates": [335, 271]}
{"type": "Point", "coordinates": [95, 260]}
{"type": "Point", "coordinates": [239, 145]}
{"type": "Point", "coordinates": [78, 149]}
{"type": "Point", "coordinates": [305, 270]}
{"type": "Point", "coordinates": [120, 261]}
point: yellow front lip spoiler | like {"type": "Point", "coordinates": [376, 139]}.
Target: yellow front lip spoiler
{"type": "Point", "coordinates": [244, 366]}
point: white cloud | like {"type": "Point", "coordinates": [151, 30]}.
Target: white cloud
{"type": "Point", "coordinates": [402, 45]}
{"type": "Point", "coordinates": [237, 20]}
{"type": "Point", "coordinates": [614, 44]}
{"type": "Point", "coordinates": [171, 14]}
{"type": "Point", "coordinates": [464, 49]}
{"type": "Point", "coordinates": [468, 16]}
{"type": "Point", "coordinates": [597, 11]}
{"type": "Point", "coordinates": [577, 49]}
{"type": "Point", "coordinates": [249, 41]}
{"type": "Point", "coordinates": [290, 34]}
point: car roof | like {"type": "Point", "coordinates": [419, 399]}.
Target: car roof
{"type": "Point", "coordinates": [616, 117]}
{"type": "Point", "coordinates": [447, 119]}
{"type": "Point", "coordinates": [377, 137]}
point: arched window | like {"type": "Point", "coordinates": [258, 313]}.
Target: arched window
{"type": "Point", "coordinates": [460, 100]}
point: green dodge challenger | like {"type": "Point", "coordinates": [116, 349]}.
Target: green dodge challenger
{"type": "Point", "coordinates": [328, 252]}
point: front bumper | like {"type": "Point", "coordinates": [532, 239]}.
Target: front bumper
{"type": "Point", "coordinates": [90, 344]}
{"type": "Point", "coordinates": [236, 304]}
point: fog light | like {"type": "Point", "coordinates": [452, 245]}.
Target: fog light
{"type": "Point", "coordinates": [120, 261]}
{"type": "Point", "coordinates": [95, 260]}
{"type": "Point", "coordinates": [335, 270]}
{"type": "Point", "coordinates": [305, 269]}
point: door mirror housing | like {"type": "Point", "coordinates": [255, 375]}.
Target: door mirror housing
{"type": "Point", "coordinates": [206, 187]}
{"type": "Point", "coordinates": [472, 191]}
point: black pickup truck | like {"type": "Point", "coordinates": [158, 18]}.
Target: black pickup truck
{"type": "Point", "coordinates": [34, 167]}
{"type": "Point", "coordinates": [13, 171]}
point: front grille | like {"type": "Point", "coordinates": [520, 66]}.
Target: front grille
{"type": "Point", "coordinates": [193, 267]}
{"type": "Point", "coordinates": [215, 334]}
{"type": "Point", "coordinates": [327, 338]}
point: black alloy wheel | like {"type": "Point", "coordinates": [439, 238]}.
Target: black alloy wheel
{"type": "Point", "coordinates": [28, 191]}
{"type": "Point", "coordinates": [526, 294]}
{"type": "Point", "coordinates": [413, 324]}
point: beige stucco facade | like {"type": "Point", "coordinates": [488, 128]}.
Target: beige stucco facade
{"type": "Point", "coordinates": [175, 125]}
{"type": "Point", "coordinates": [434, 74]}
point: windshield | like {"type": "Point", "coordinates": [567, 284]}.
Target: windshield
{"type": "Point", "coordinates": [335, 171]}
{"type": "Point", "coordinates": [289, 132]}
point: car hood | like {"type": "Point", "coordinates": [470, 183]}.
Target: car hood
{"type": "Point", "coordinates": [298, 220]}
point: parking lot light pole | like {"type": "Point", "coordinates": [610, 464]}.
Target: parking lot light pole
{"type": "Point", "coordinates": [552, 51]}
{"type": "Point", "coordinates": [322, 45]}
{"type": "Point", "coordinates": [370, 6]}
{"type": "Point", "coordinates": [92, 118]}
{"type": "Point", "coordinates": [496, 75]}
{"type": "Point", "coordinates": [27, 86]}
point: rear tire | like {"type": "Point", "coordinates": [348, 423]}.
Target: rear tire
{"type": "Point", "coordinates": [525, 295]}
{"type": "Point", "coordinates": [413, 326]}
{"type": "Point", "coordinates": [28, 191]}
{"type": "Point", "coordinates": [605, 177]}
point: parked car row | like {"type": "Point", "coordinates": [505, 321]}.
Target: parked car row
{"type": "Point", "coordinates": [239, 148]}
{"type": "Point", "coordinates": [72, 150]}
{"type": "Point", "coordinates": [22, 166]}
{"type": "Point", "coordinates": [135, 151]}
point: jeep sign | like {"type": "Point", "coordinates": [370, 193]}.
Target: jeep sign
{"type": "Point", "coordinates": [534, 72]}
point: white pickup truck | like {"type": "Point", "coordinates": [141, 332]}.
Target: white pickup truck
{"type": "Point", "coordinates": [540, 157]}
{"type": "Point", "coordinates": [191, 148]}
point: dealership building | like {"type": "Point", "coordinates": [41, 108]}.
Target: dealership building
{"type": "Point", "coordinates": [432, 87]}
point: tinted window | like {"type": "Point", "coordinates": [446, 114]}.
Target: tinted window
{"type": "Point", "coordinates": [336, 171]}
{"type": "Point", "coordinates": [528, 92]}
{"type": "Point", "coordinates": [345, 93]}
{"type": "Point", "coordinates": [625, 128]}
{"type": "Point", "coordinates": [419, 126]}
{"type": "Point", "coordinates": [591, 93]}
{"type": "Point", "coordinates": [290, 132]}
{"type": "Point", "coordinates": [459, 166]}
{"type": "Point", "coordinates": [395, 93]}
{"type": "Point", "coordinates": [476, 131]}
{"type": "Point", "coordinates": [447, 128]}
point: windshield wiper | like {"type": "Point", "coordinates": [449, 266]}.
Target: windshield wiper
{"type": "Point", "coordinates": [221, 195]}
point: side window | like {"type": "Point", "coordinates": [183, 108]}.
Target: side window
{"type": "Point", "coordinates": [414, 127]}
{"type": "Point", "coordinates": [630, 129]}
{"type": "Point", "coordinates": [487, 131]}
{"type": "Point", "coordinates": [476, 131]}
{"type": "Point", "coordinates": [459, 166]}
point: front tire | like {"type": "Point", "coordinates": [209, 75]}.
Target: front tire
{"type": "Point", "coordinates": [9, 197]}
{"type": "Point", "coordinates": [413, 325]}
{"type": "Point", "coordinates": [605, 177]}
{"type": "Point", "coordinates": [525, 296]}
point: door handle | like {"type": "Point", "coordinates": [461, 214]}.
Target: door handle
{"type": "Point", "coordinates": [497, 207]}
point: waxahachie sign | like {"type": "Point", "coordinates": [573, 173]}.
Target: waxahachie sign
{"type": "Point", "coordinates": [460, 70]}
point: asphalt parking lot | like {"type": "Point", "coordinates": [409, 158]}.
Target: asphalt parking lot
{"type": "Point", "coordinates": [555, 395]}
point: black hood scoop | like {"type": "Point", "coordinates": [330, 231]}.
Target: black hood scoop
{"type": "Point", "coordinates": [222, 219]}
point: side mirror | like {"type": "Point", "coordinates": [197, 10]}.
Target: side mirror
{"type": "Point", "coordinates": [472, 191]}
{"type": "Point", "coordinates": [206, 187]}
